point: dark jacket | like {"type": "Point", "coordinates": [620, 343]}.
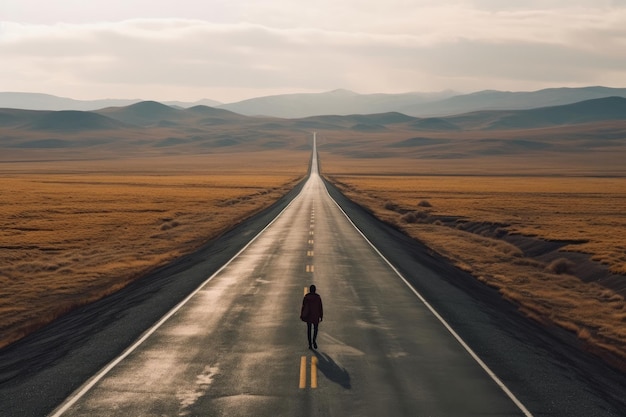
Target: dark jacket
{"type": "Point", "coordinates": [312, 310]}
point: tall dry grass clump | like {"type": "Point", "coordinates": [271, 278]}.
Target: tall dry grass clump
{"type": "Point", "coordinates": [560, 266]}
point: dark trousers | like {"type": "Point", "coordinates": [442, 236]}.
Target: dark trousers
{"type": "Point", "coordinates": [308, 332]}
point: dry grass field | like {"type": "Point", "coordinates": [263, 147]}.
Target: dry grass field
{"type": "Point", "coordinates": [73, 232]}
{"type": "Point", "coordinates": [529, 237]}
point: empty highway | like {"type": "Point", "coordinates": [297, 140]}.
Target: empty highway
{"type": "Point", "coordinates": [235, 346]}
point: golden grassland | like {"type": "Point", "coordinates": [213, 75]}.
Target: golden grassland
{"type": "Point", "coordinates": [71, 233]}
{"type": "Point", "coordinates": [589, 211]}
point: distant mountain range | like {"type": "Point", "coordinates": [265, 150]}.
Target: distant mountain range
{"type": "Point", "coordinates": [152, 114]}
{"type": "Point", "coordinates": [214, 127]}
{"type": "Point", "coordinates": [338, 102]}
{"type": "Point", "coordinates": [37, 101]}
{"type": "Point", "coordinates": [588, 111]}
{"type": "Point", "coordinates": [344, 102]}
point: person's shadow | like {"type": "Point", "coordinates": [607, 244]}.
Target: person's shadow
{"type": "Point", "coordinates": [332, 371]}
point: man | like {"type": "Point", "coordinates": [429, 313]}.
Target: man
{"type": "Point", "coordinates": [312, 313]}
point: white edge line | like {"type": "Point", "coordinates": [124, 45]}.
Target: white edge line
{"type": "Point", "coordinates": [469, 350]}
{"type": "Point", "coordinates": [77, 395]}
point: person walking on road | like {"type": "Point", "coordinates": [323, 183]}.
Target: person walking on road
{"type": "Point", "coordinates": [312, 313]}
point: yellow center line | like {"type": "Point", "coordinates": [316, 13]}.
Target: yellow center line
{"type": "Point", "coordinates": [310, 268]}
{"type": "Point", "coordinates": [310, 241]}
{"type": "Point", "coordinates": [302, 372]}
{"type": "Point", "coordinates": [309, 253]}
{"type": "Point", "coordinates": [306, 290]}
{"type": "Point", "coordinates": [303, 364]}
{"type": "Point", "coordinates": [314, 372]}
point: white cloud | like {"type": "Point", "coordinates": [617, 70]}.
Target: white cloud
{"type": "Point", "coordinates": [418, 46]}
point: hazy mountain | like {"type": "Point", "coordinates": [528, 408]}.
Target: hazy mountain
{"type": "Point", "coordinates": [339, 102]}
{"type": "Point", "coordinates": [343, 102]}
{"type": "Point", "coordinates": [588, 111]}
{"type": "Point", "coordinates": [72, 120]}
{"type": "Point", "coordinates": [36, 101]}
{"type": "Point", "coordinates": [186, 105]}
{"type": "Point", "coordinates": [214, 116]}
{"type": "Point", "coordinates": [144, 113]}
{"type": "Point", "coordinates": [503, 100]}
{"type": "Point", "coordinates": [153, 113]}
{"type": "Point", "coordinates": [61, 120]}
{"type": "Point", "coordinates": [16, 117]}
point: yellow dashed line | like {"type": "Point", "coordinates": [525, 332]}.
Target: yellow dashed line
{"type": "Point", "coordinates": [314, 372]}
{"type": "Point", "coordinates": [303, 378]}
{"type": "Point", "coordinates": [309, 268]}
{"type": "Point", "coordinates": [303, 372]}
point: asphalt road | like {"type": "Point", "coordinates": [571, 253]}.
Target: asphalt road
{"type": "Point", "coordinates": [236, 347]}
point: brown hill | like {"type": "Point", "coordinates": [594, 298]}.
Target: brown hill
{"type": "Point", "coordinates": [145, 113]}
{"type": "Point", "coordinates": [589, 111]}
{"type": "Point", "coordinates": [72, 120]}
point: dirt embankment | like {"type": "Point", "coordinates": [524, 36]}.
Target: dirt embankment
{"type": "Point", "coordinates": [544, 251]}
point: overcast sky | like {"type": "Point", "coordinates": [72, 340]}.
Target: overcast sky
{"type": "Point", "coordinates": [229, 50]}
